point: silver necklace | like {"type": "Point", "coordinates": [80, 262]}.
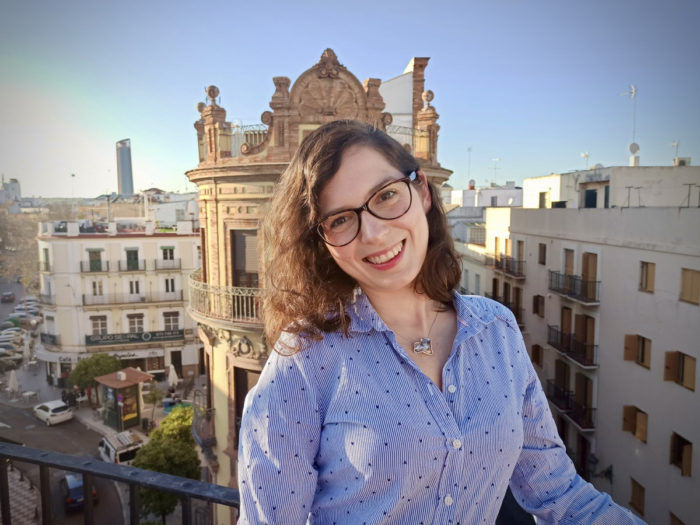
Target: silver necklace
{"type": "Point", "coordinates": [424, 344]}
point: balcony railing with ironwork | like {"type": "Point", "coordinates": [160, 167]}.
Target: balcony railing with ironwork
{"type": "Point", "coordinates": [128, 298]}
{"type": "Point", "coordinates": [203, 426]}
{"type": "Point", "coordinates": [513, 267]}
{"type": "Point", "coordinates": [575, 287]}
{"type": "Point", "coordinates": [132, 265]}
{"type": "Point", "coordinates": [188, 490]}
{"type": "Point", "coordinates": [47, 299]}
{"type": "Point", "coordinates": [50, 339]}
{"type": "Point", "coordinates": [167, 264]}
{"type": "Point", "coordinates": [582, 415]}
{"type": "Point", "coordinates": [558, 395]}
{"type": "Point", "coordinates": [226, 303]}
{"type": "Point", "coordinates": [517, 311]}
{"type": "Point", "coordinates": [583, 353]}
{"type": "Point", "coordinates": [94, 266]}
{"type": "Point", "coordinates": [495, 262]}
{"type": "Point", "coordinates": [495, 297]}
{"type": "Point", "coordinates": [44, 266]}
{"type": "Point", "coordinates": [558, 339]}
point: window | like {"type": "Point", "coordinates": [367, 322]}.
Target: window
{"type": "Point", "coordinates": [590, 198]}
{"type": "Point", "coordinates": [637, 497]}
{"type": "Point", "coordinates": [132, 259]}
{"type": "Point", "coordinates": [168, 254]}
{"type": "Point", "coordinates": [542, 256]}
{"type": "Point", "coordinates": [635, 421]}
{"type": "Point", "coordinates": [477, 284]}
{"type": "Point", "coordinates": [543, 199]}
{"type": "Point", "coordinates": [244, 258]}
{"type": "Point", "coordinates": [170, 284]}
{"type": "Point", "coordinates": [494, 201]}
{"type": "Point", "coordinates": [171, 321]}
{"type": "Point", "coordinates": [680, 367]}
{"type": "Point", "coordinates": [537, 355]}
{"type": "Point", "coordinates": [690, 286]}
{"type": "Point", "coordinates": [538, 305]}
{"type": "Point", "coordinates": [646, 276]}
{"type": "Point", "coordinates": [681, 453]}
{"type": "Point", "coordinates": [96, 287]}
{"type": "Point", "coordinates": [135, 323]}
{"type": "Point", "coordinates": [638, 349]}
{"type": "Point", "coordinates": [99, 324]}
{"type": "Point", "coordinates": [134, 287]}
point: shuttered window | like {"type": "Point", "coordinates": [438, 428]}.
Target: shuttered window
{"type": "Point", "coordinates": [681, 453]}
{"type": "Point", "coordinates": [690, 286]}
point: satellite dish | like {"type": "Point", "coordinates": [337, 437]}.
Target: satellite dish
{"type": "Point", "coordinates": [634, 148]}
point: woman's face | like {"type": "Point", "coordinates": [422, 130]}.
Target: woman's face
{"type": "Point", "coordinates": [386, 255]}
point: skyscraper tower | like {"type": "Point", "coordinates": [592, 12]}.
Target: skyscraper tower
{"type": "Point", "coordinates": [125, 179]}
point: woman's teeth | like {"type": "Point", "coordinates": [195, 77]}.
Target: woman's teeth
{"type": "Point", "coordinates": [386, 256]}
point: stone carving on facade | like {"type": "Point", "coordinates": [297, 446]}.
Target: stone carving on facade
{"type": "Point", "coordinates": [244, 347]}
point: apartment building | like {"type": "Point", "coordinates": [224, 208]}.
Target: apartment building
{"type": "Point", "coordinates": [118, 288]}
{"type": "Point", "coordinates": [238, 168]}
{"type": "Point", "coordinates": [606, 287]}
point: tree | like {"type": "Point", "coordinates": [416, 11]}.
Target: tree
{"type": "Point", "coordinates": [85, 372]}
{"type": "Point", "coordinates": [178, 425]}
{"type": "Point", "coordinates": [168, 453]}
{"type": "Point", "coordinates": [152, 397]}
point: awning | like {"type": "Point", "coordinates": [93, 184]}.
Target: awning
{"type": "Point", "coordinates": [42, 354]}
{"type": "Point", "coordinates": [137, 354]}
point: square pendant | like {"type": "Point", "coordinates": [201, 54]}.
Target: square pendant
{"type": "Point", "coordinates": [423, 346]}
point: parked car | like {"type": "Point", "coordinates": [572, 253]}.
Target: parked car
{"type": "Point", "coordinates": [11, 330]}
{"type": "Point", "coordinates": [119, 448]}
{"type": "Point", "coordinates": [7, 297]}
{"type": "Point", "coordinates": [8, 346]}
{"type": "Point", "coordinates": [52, 412]}
{"type": "Point", "coordinates": [72, 491]}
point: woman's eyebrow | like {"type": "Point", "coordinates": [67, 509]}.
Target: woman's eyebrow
{"type": "Point", "coordinates": [387, 180]}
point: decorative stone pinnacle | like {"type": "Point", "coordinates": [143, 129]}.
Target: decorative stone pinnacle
{"type": "Point", "coordinates": [212, 93]}
{"type": "Point", "coordinates": [428, 96]}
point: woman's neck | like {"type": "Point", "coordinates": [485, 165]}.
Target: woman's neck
{"type": "Point", "coordinates": [405, 311]}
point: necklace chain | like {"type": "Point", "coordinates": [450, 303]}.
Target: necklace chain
{"type": "Point", "coordinates": [424, 345]}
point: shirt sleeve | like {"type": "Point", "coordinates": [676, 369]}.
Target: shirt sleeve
{"type": "Point", "coordinates": [545, 482]}
{"type": "Point", "coordinates": [278, 442]}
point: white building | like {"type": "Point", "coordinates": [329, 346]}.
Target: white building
{"type": "Point", "coordinates": [609, 303]}
{"type": "Point", "coordinates": [121, 289]}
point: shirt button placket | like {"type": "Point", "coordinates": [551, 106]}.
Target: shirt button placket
{"type": "Point", "coordinates": [448, 501]}
{"type": "Point", "coordinates": [452, 389]}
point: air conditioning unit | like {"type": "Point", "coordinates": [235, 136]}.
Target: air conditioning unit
{"type": "Point", "coordinates": [121, 376]}
{"type": "Point", "coordinates": [681, 161]}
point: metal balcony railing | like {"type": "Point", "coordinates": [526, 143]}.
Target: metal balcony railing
{"type": "Point", "coordinates": [517, 311]}
{"type": "Point", "coordinates": [513, 267]}
{"type": "Point", "coordinates": [188, 490]}
{"type": "Point", "coordinates": [127, 298]}
{"type": "Point", "coordinates": [94, 266]}
{"type": "Point", "coordinates": [558, 395]}
{"type": "Point", "coordinates": [203, 426]}
{"type": "Point", "coordinates": [493, 261]}
{"type": "Point", "coordinates": [495, 297]}
{"type": "Point", "coordinates": [167, 264]}
{"type": "Point", "coordinates": [132, 265]}
{"type": "Point", "coordinates": [44, 266]}
{"type": "Point", "coordinates": [583, 353]}
{"type": "Point", "coordinates": [575, 287]}
{"type": "Point", "coordinates": [558, 339]}
{"type": "Point", "coordinates": [582, 415]}
{"type": "Point", "coordinates": [50, 339]}
{"type": "Point", "coordinates": [227, 303]}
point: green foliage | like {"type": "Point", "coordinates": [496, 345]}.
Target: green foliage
{"type": "Point", "coordinates": [170, 456]}
{"type": "Point", "coordinates": [178, 425]}
{"type": "Point", "coordinates": [85, 372]}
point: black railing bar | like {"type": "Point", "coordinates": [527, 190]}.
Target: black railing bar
{"type": "Point", "coordinates": [45, 488]}
{"type": "Point", "coordinates": [186, 504]}
{"type": "Point", "coordinates": [134, 504]}
{"type": "Point", "coordinates": [4, 492]}
{"type": "Point", "coordinates": [87, 498]}
{"type": "Point", "coordinates": [155, 480]}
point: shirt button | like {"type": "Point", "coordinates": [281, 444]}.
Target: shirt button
{"type": "Point", "coordinates": [456, 443]}
{"type": "Point", "coordinates": [448, 500]}
{"type": "Point", "coordinates": [452, 389]}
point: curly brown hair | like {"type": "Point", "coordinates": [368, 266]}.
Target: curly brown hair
{"type": "Point", "coordinates": [306, 291]}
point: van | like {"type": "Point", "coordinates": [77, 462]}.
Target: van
{"type": "Point", "coordinates": [120, 448]}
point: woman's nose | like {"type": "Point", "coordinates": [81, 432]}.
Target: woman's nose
{"type": "Point", "coordinates": [371, 227]}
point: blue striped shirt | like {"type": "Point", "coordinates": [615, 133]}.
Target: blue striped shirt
{"type": "Point", "coordinates": [350, 431]}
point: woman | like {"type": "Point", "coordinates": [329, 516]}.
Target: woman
{"type": "Point", "coordinates": [390, 398]}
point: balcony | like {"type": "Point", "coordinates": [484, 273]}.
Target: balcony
{"type": "Point", "coordinates": [127, 298]}
{"type": "Point", "coordinates": [574, 287]}
{"type": "Point", "coordinates": [495, 297]}
{"type": "Point", "coordinates": [132, 265]}
{"type": "Point", "coordinates": [47, 299]}
{"type": "Point", "coordinates": [580, 352]}
{"type": "Point", "coordinates": [166, 264]}
{"type": "Point", "coordinates": [582, 415]}
{"type": "Point", "coordinates": [495, 262]}
{"type": "Point", "coordinates": [44, 266]}
{"type": "Point", "coordinates": [50, 339]}
{"type": "Point", "coordinates": [517, 311]}
{"type": "Point", "coordinates": [558, 339]}
{"type": "Point", "coordinates": [188, 490]}
{"type": "Point", "coordinates": [513, 267]}
{"type": "Point", "coordinates": [134, 337]}
{"type": "Point", "coordinates": [203, 426]}
{"type": "Point", "coordinates": [558, 395]}
{"type": "Point", "coordinates": [94, 266]}
{"type": "Point", "coordinates": [225, 303]}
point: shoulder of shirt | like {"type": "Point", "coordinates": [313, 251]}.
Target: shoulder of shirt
{"type": "Point", "coordinates": [487, 310]}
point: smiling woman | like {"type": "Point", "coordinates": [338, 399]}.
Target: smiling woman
{"type": "Point", "coordinates": [390, 398]}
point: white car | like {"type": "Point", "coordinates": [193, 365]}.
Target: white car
{"type": "Point", "coordinates": [52, 412]}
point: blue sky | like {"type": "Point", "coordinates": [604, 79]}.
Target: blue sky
{"type": "Point", "coordinates": [532, 83]}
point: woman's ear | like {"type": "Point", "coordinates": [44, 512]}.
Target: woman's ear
{"type": "Point", "coordinates": [424, 192]}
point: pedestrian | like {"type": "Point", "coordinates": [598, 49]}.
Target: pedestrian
{"type": "Point", "coordinates": [390, 398]}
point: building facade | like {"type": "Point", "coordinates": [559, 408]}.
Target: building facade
{"type": "Point", "coordinates": [238, 168]}
{"type": "Point", "coordinates": [607, 292]}
{"type": "Point", "coordinates": [119, 289]}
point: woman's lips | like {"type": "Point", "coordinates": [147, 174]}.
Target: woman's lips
{"type": "Point", "coordinates": [387, 256]}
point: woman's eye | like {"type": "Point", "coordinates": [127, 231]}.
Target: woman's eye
{"type": "Point", "coordinates": [387, 195]}
{"type": "Point", "coordinates": [338, 222]}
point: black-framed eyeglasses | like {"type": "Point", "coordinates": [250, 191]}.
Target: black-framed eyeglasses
{"type": "Point", "coordinates": [391, 201]}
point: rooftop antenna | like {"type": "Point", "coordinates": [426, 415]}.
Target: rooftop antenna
{"type": "Point", "coordinates": [632, 93]}
{"type": "Point", "coordinates": [675, 144]}
{"type": "Point", "coordinates": [585, 155]}
{"type": "Point", "coordinates": [495, 168]}
{"type": "Point", "coordinates": [469, 162]}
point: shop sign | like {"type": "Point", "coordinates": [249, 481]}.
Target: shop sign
{"type": "Point", "coordinates": [137, 337]}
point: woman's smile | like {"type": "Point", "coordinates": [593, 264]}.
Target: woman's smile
{"type": "Point", "coordinates": [389, 256]}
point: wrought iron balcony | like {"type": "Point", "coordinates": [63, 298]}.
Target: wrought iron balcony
{"type": "Point", "coordinates": [583, 353]}
{"type": "Point", "coordinates": [167, 264]}
{"type": "Point", "coordinates": [128, 298]}
{"type": "Point", "coordinates": [203, 426]}
{"type": "Point", "coordinates": [558, 395]}
{"type": "Point", "coordinates": [132, 265]}
{"type": "Point", "coordinates": [582, 415]}
{"type": "Point", "coordinates": [188, 490]}
{"type": "Point", "coordinates": [94, 266]}
{"type": "Point", "coordinates": [495, 297]}
{"type": "Point", "coordinates": [50, 339]}
{"type": "Point", "coordinates": [44, 266]}
{"type": "Point", "coordinates": [573, 286]}
{"type": "Point", "coordinates": [226, 303]}
{"type": "Point", "coordinates": [558, 339]}
{"type": "Point", "coordinates": [513, 267]}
